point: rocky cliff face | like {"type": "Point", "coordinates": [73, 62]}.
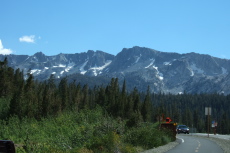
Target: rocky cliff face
{"type": "Point", "coordinates": [140, 67]}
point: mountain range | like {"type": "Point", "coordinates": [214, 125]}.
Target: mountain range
{"type": "Point", "coordinates": [140, 67]}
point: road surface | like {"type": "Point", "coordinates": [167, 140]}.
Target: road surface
{"type": "Point", "coordinates": [190, 144]}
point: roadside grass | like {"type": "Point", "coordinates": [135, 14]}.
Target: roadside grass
{"type": "Point", "coordinates": [89, 131]}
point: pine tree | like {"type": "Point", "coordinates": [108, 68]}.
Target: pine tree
{"type": "Point", "coordinates": [101, 99]}
{"type": "Point", "coordinates": [6, 77]}
{"type": "Point", "coordinates": [74, 94]}
{"type": "Point", "coordinates": [195, 118]}
{"type": "Point", "coordinates": [85, 97]}
{"type": "Point", "coordinates": [31, 99]}
{"type": "Point", "coordinates": [112, 92]}
{"type": "Point", "coordinates": [224, 124]}
{"type": "Point", "coordinates": [17, 103]}
{"type": "Point", "coordinates": [146, 107]}
{"type": "Point", "coordinates": [92, 97]}
{"type": "Point", "coordinates": [129, 107]}
{"type": "Point", "coordinates": [136, 100]}
{"type": "Point", "coordinates": [18, 79]}
{"type": "Point", "coordinates": [122, 101]}
{"type": "Point", "coordinates": [63, 93]}
{"type": "Point", "coordinates": [175, 113]}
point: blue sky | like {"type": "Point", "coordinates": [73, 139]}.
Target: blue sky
{"type": "Point", "coordinates": [74, 26]}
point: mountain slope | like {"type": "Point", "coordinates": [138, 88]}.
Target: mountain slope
{"type": "Point", "coordinates": [139, 66]}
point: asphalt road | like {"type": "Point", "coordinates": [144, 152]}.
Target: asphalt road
{"type": "Point", "coordinates": [190, 144]}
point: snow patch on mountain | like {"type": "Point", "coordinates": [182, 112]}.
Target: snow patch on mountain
{"type": "Point", "coordinates": [158, 75]}
{"type": "Point", "coordinates": [97, 70]}
{"type": "Point", "coordinates": [170, 73]}
{"type": "Point", "coordinates": [152, 61]}
{"type": "Point", "coordinates": [191, 70]}
{"type": "Point", "coordinates": [196, 69]}
{"type": "Point", "coordinates": [138, 58]}
{"type": "Point", "coordinates": [82, 70]}
{"type": "Point", "coordinates": [60, 65]}
{"type": "Point", "coordinates": [35, 71]}
{"type": "Point", "coordinates": [167, 63]}
{"type": "Point", "coordinates": [69, 66]}
{"type": "Point", "coordinates": [224, 71]}
{"type": "Point", "coordinates": [35, 58]}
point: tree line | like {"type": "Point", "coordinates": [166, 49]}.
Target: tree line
{"type": "Point", "coordinates": [39, 99]}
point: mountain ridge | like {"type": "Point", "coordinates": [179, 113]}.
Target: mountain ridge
{"type": "Point", "coordinates": [139, 66]}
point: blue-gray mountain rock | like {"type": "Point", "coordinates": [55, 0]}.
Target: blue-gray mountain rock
{"type": "Point", "coordinates": [140, 67]}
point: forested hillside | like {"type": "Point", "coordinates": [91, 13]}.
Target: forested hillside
{"type": "Point", "coordinates": [22, 100]}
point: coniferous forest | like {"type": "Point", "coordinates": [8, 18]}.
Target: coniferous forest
{"type": "Point", "coordinates": [65, 116]}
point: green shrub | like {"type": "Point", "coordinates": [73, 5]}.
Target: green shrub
{"type": "Point", "coordinates": [128, 148]}
{"type": "Point", "coordinates": [146, 136]}
{"type": "Point", "coordinates": [86, 131]}
{"type": "Point", "coordinates": [105, 143]}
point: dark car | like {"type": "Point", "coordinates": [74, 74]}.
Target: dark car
{"type": "Point", "coordinates": [7, 146]}
{"type": "Point", "coordinates": [182, 129]}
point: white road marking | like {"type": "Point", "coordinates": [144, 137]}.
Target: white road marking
{"type": "Point", "coordinates": [182, 140]}
{"type": "Point", "coordinates": [197, 149]}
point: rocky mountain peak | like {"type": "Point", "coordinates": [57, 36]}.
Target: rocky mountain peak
{"type": "Point", "coordinates": [139, 66]}
{"type": "Point", "coordinates": [40, 57]}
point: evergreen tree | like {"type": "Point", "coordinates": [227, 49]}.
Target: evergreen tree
{"type": "Point", "coordinates": [17, 103]}
{"type": "Point", "coordinates": [136, 100]}
{"type": "Point", "coordinates": [101, 99]}
{"type": "Point", "coordinates": [75, 95]}
{"type": "Point", "coordinates": [6, 77]}
{"type": "Point", "coordinates": [175, 113]}
{"type": "Point", "coordinates": [129, 107]}
{"type": "Point", "coordinates": [92, 98]}
{"type": "Point", "coordinates": [31, 99]}
{"type": "Point", "coordinates": [196, 119]}
{"type": "Point", "coordinates": [18, 79]}
{"type": "Point", "coordinates": [112, 92]}
{"type": "Point", "coordinates": [122, 101]}
{"type": "Point", "coordinates": [146, 107]}
{"type": "Point", "coordinates": [224, 124]}
{"type": "Point", "coordinates": [44, 109]}
{"type": "Point", "coordinates": [85, 98]}
{"type": "Point", "coordinates": [63, 93]}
